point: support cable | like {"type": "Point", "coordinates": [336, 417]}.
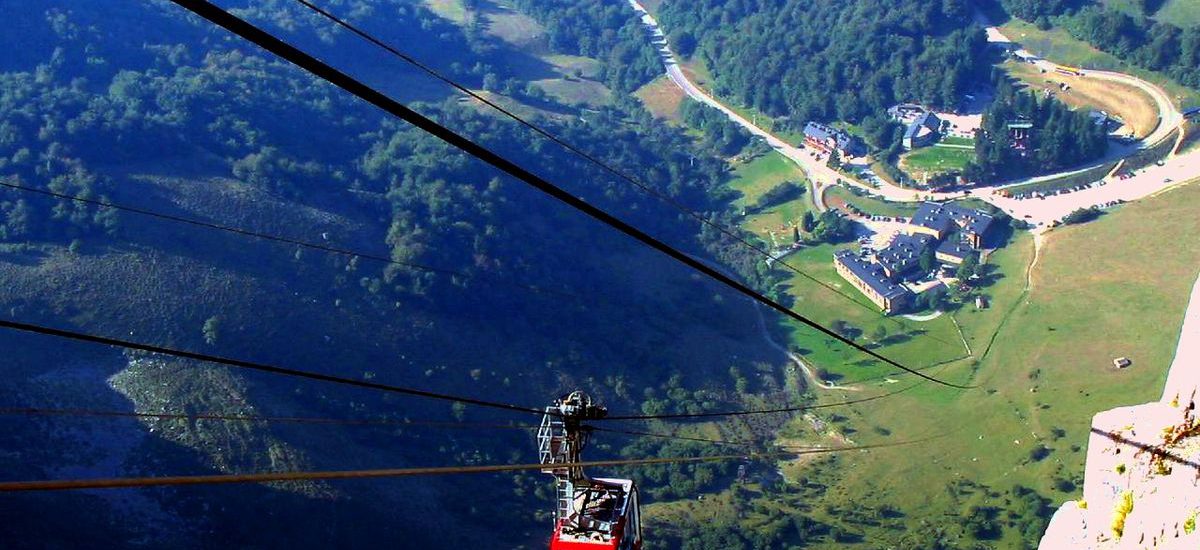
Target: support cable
{"type": "Point", "coordinates": [276, 238]}
{"type": "Point", "coordinates": [434, 73]}
{"type": "Point", "coordinates": [261, 367]}
{"type": "Point", "coordinates": [161, 481]}
{"type": "Point", "coordinates": [286, 51]}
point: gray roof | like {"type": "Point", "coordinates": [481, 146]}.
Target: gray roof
{"type": "Point", "coordinates": [970, 220]}
{"type": "Point", "coordinates": [899, 111]}
{"type": "Point", "coordinates": [940, 217]}
{"type": "Point", "coordinates": [904, 253]}
{"type": "Point", "coordinates": [871, 274]}
{"type": "Point", "coordinates": [912, 130]}
{"type": "Point", "coordinates": [924, 123]}
{"type": "Point", "coordinates": [823, 133]}
{"type": "Point", "coordinates": [933, 216]}
{"type": "Point", "coordinates": [955, 248]}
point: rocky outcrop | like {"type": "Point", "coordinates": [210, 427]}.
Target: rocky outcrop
{"type": "Point", "coordinates": [1142, 481]}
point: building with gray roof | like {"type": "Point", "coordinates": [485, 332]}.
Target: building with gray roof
{"type": "Point", "coordinates": [870, 279]}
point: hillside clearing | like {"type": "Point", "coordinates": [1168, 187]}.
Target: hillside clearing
{"type": "Point", "coordinates": [1095, 283]}
{"type": "Point", "coordinates": [662, 98]}
{"type": "Point", "coordinates": [1133, 105]}
{"type": "Point", "coordinates": [1181, 13]}
{"type": "Point", "coordinates": [1059, 45]}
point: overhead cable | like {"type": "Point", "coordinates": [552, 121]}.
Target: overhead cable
{"type": "Point", "coordinates": [326, 72]}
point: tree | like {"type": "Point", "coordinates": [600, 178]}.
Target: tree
{"type": "Point", "coordinates": [832, 227]}
{"type": "Point", "coordinates": [1082, 215]}
{"type": "Point", "coordinates": [835, 160]}
{"type": "Point", "coordinates": [684, 43]}
{"type": "Point", "coordinates": [211, 330]}
{"type": "Point", "coordinates": [779, 194]}
{"type": "Point", "coordinates": [18, 219]}
{"type": "Point", "coordinates": [845, 329]}
{"type": "Point", "coordinates": [808, 223]}
{"type": "Point", "coordinates": [927, 260]}
{"type": "Point", "coordinates": [925, 301]}
{"type": "Point", "coordinates": [491, 82]}
{"type": "Point", "coordinates": [968, 268]}
{"type": "Point", "coordinates": [880, 333]}
{"type": "Point", "coordinates": [107, 218]}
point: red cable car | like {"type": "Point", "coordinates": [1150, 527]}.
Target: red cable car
{"type": "Point", "coordinates": [591, 514]}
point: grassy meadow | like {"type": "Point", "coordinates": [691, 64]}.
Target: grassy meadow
{"type": "Point", "coordinates": [935, 160]}
{"type": "Point", "coordinates": [1133, 105]}
{"type": "Point", "coordinates": [1044, 365]}
{"type": "Point", "coordinates": [837, 195]}
{"type": "Point", "coordinates": [662, 98]}
{"type": "Point", "coordinates": [1057, 44]}
{"type": "Point", "coordinates": [567, 79]}
{"type": "Point", "coordinates": [774, 224]}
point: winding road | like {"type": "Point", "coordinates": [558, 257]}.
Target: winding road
{"type": "Point", "coordinates": [1038, 212]}
{"type": "Point", "coordinates": [817, 172]}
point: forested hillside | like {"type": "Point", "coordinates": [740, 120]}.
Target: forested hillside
{"type": "Point", "coordinates": [603, 29]}
{"type": "Point", "coordinates": [145, 107]}
{"type": "Point", "coordinates": [1058, 138]}
{"type": "Point", "coordinates": [835, 60]}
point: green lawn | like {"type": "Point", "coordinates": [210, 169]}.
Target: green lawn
{"type": "Point", "coordinates": [663, 99]}
{"type": "Point", "coordinates": [567, 79]}
{"type": "Point", "coordinates": [449, 9]}
{"type": "Point", "coordinates": [1048, 368]}
{"type": "Point", "coordinates": [918, 343]}
{"type": "Point", "coordinates": [1181, 13]}
{"type": "Point", "coordinates": [758, 176]}
{"type": "Point", "coordinates": [935, 160]}
{"type": "Point", "coordinates": [952, 140]}
{"type": "Point", "coordinates": [870, 205]}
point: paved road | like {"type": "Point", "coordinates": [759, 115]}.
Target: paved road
{"type": "Point", "coordinates": [817, 172]}
{"type": "Point", "coordinates": [1036, 211]}
{"type": "Point", "coordinates": [1169, 116]}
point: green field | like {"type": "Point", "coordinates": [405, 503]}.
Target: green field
{"type": "Point", "coordinates": [870, 205]}
{"type": "Point", "coordinates": [1049, 368]}
{"type": "Point", "coordinates": [935, 160]}
{"type": "Point", "coordinates": [449, 9]}
{"type": "Point", "coordinates": [1041, 355]}
{"type": "Point", "coordinates": [663, 99]}
{"type": "Point", "coordinates": [758, 176]}
{"type": "Point", "coordinates": [918, 343]}
{"type": "Point", "coordinates": [1181, 13]}
{"type": "Point", "coordinates": [567, 79]}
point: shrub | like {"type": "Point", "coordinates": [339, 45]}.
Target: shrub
{"type": "Point", "coordinates": [1120, 512]}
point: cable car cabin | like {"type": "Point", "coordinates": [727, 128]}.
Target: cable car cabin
{"type": "Point", "coordinates": [602, 515]}
{"type": "Point", "coordinates": [589, 513]}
